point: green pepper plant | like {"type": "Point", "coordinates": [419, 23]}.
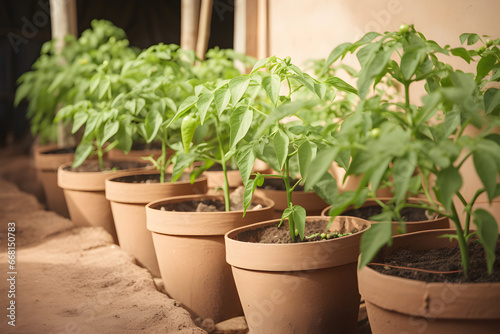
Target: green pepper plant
{"type": "Point", "coordinates": [62, 78]}
{"type": "Point", "coordinates": [419, 147]}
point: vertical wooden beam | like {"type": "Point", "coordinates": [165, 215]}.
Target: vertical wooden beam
{"type": "Point", "coordinates": [204, 28]}
{"type": "Point", "coordinates": [64, 22]}
{"type": "Point", "coordinates": [262, 29]}
{"type": "Point", "coordinates": [251, 28]}
{"type": "Point", "coordinates": [240, 30]}
{"type": "Point", "coordinates": [190, 12]}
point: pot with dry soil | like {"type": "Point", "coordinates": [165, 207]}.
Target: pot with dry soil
{"type": "Point", "coordinates": [84, 191]}
{"type": "Point", "coordinates": [188, 236]}
{"type": "Point", "coordinates": [216, 176]}
{"type": "Point", "coordinates": [129, 194]}
{"type": "Point", "coordinates": [416, 219]}
{"type": "Point", "coordinates": [304, 287]}
{"type": "Point", "coordinates": [47, 160]}
{"type": "Point", "coordinates": [417, 286]}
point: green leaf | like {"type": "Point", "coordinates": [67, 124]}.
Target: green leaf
{"type": "Point", "coordinates": [260, 64]}
{"type": "Point", "coordinates": [188, 127]}
{"type": "Point", "coordinates": [280, 144]}
{"type": "Point", "coordinates": [124, 138]}
{"type": "Point", "coordinates": [271, 85]}
{"type": "Point", "coordinates": [103, 87]}
{"type": "Point", "coordinates": [326, 188]}
{"type": "Point", "coordinates": [335, 54]}
{"type": "Point", "coordinates": [341, 85]}
{"type": "Point", "coordinates": [299, 219]}
{"type": "Point", "coordinates": [471, 38]}
{"type": "Point", "coordinates": [484, 66]}
{"type": "Point", "coordinates": [491, 100]}
{"type": "Point", "coordinates": [487, 230]}
{"type": "Point", "coordinates": [372, 240]}
{"type": "Point", "coordinates": [79, 119]}
{"type": "Point", "coordinates": [410, 60]}
{"type": "Point", "coordinates": [152, 124]}
{"type": "Point", "coordinates": [462, 53]}
{"type": "Point", "coordinates": [110, 129]}
{"type": "Point", "coordinates": [322, 162]}
{"type": "Point", "coordinates": [486, 168]}
{"type": "Point", "coordinates": [222, 97]}
{"type": "Point", "coordinates": [239, 124]}
{"type": "Point", "coordinates": [283, 110]}
{"type": "Point", "coordinates": [245, 159]}
{"type": "Point", "coordinates": [451, 122]}
{"type": "Point", "coordinates": [306, 152]}
{"type": "Point", "coordinates": [82, 152]}
{"type": "Point", "coordinates": [448, 183]}
{"type": "Point", "coordinates": [403, 169]}
{"type": "Point", "coordinates": [203, 104]}
{"type": "Point", "coordinates": [187, 104]}
{"type": "Point", "coordinates": [286, 213]}
{"type": "Point", "coordinates": [367, 75]}
{"type": "Point", "coordinates": [250, 187]}
{"type": "Point", "coordinates": [93, 122]}
{"type": "Point", "coordinates": [238, 87]}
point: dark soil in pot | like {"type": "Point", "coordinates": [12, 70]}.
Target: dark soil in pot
{"type": "Point", "coordinates": [439, 260]}
{"type": "Point", "coordinates": [149, 178]}
{"type": "Point", "coordinates": [276, 183]}
{"type": "Point", "coordinates": [281, 235]}
{"type": "Point", "coordinates": [93, 166]}
{"type": "Point", "coordinates": [203, 205]}
{"type": "Point", "coordinates": [408, 214]}
{"type": "Point", "coordinates": [66, 150]}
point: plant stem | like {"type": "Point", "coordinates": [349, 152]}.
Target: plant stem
{"type": "Point", "coordinates": [99, 153]}
{"type": "Point", "coordinates": [286, 179]}
{"type": "Point", "coordinates": [461, 240]}
{"type": "Point", "coordinates": [225, 188]}
{"type": "Point", "coordinates": [468, 208]}
{"type": "Point", "coordinates": [162, 158]}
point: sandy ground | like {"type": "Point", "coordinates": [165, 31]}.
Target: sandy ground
{"type": "Point", "coordinates": [71, 280]}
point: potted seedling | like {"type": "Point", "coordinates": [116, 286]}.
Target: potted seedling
{"type": "Point", "coordinates": [58, 79]}
{"type": "Point", "coordinates": [428, 148]}
{"type": "Point", "coordinates": [296, 260]}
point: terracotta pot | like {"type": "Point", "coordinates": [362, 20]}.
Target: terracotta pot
{"type": "Point", "coordinates": [84, 193]}
{"type": "Point", "coordinates": [47, 159]}
{"type": "Point", "coordinates": [191, 254]}
{"type": "Point", "coordinates": [400, 305]}
{"type": "Point", "coordinates": [128, 204]}
{"type": "Point", "coordinates": [305, 287]}
{"type": "Point", "coordinates": [414, 226]}
{"type": "Point", "coordinates": [351, 182]}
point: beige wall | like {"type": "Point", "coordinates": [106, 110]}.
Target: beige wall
{"type": "Point", "coordinates": [310, 29]}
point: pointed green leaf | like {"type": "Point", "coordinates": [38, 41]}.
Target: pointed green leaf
{"type": "Point", "coordinates": [245, 159]}
{"type": "Point", "coordinates": [403, 170]}
{"type": "Point", "coordinates": [484, 66]}
{"type": "Point", "coordinates": [341, 85]}
{"type": "Point", "coordinates": [238, 87]}
{"type": "Point", "coordinates": [448, 183]}
{"type": "Point", "coordinates": [491, 100]}
{"type": "Point", "coordinates": [79, 119]}
{"type": "Point", "coordinates": [187, 104]}
{"type": "Point", "coordinates": [188, 127]}
{"type": "Point", "coordinates": [239, 124]}
{"type": "Point", "coordinates": [82, 152]}
{"type": "Point", "coordinates": [110, 129]}
{"type": "Point", "coordinates": [462, 53]}
{"type": "Point", "coordinates": [93, 122]}
{"type": "Point", "coordinates": [152, 124]}
{"type": "Point", "coordinates": [299, 219]}
{"type": "Point", "coordinates": [306, 152]}
{"type": "Point", "coordinates": [271, 85]}
{"type": "Point", "coordinates": [322, 162]}
{"type": "Point", "coordinates": [326, 188]}
{"type": "Point", "coordinates": [222, 97]}
{"type": "Point", "coordinates": [372, 240]}
{"type": "Point", "coordinates": [280, 144]}
{"type": "Point", "coordinates": [260, 64]}
{"type": "Point", "coordinates": [103, 87]}
{"type": "Point", "coordinates": [486, 168]}
{"type": "Point", "coordinates": [335, 54]}
{"type": "Point", "coordinates": [410, 60]}
{"type": "Point", "coordinates": [487, 230]}
{"type": "Point", "coordinates": [203, 104]}
{"type": "Point", "coordinates": [451, 122]}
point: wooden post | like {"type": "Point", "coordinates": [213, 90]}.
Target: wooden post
{"type": "Point", "coordinates": [64, 22]}
{"type": "Point", "coordinates": [204, 28]}
{"type": "Point", "coordinates": [262, 29]}
{"type": "Point", "coordinates": [190, 12]}
{"type": "Point", "coordinates": [240, 30]}
{"type": "Point", "coordinates": [251, 28]}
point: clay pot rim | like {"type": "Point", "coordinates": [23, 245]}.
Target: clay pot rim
{"type": "Point", "coordinates": [385, 199]}
{"type": "Point", "coordinates": [229, 235]}
{"type": "Point", "coordinates": [64, 166]}
{"type": "Point", "coordinates": [112, 178]}
{"type": "Point", "coordinates": [415, 290]}
{"type": "Point", "coordinates": [292, 256]}
{"type": "Point", "coordinates": [149, 206]}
